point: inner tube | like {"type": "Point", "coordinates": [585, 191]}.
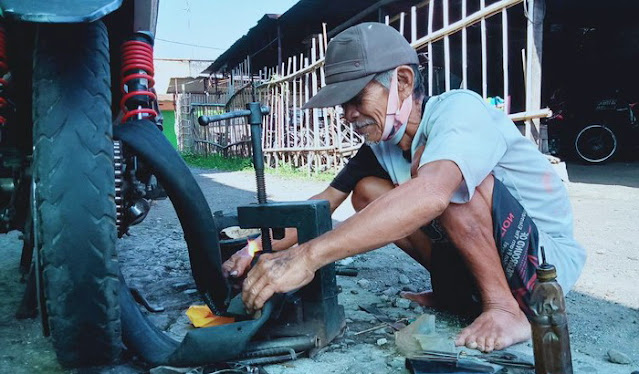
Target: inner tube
{"type": "Point", "coordinates": [205, 345]}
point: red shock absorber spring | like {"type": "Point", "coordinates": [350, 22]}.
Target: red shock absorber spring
{"type": "Point", "coordinates": [4, 69]}
{"type": "Point", "coordinates": [137, 78]}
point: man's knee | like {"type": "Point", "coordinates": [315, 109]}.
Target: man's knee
{"type": "Point", "coordinates": [472, 219]}
{"type": "Point", "coordinates": [369, 189]}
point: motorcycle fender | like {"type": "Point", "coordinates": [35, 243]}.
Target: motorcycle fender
{"type": "Point", "coordinates": [58, 11]}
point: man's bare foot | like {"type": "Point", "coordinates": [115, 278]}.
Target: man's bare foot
{"type": "Point", "coordinates": [425, 298]}
{"type": "Point", "coordinates": [496, 328]}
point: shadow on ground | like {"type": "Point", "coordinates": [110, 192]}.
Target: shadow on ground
{"type": "Point", "coordinates": [615, 173]}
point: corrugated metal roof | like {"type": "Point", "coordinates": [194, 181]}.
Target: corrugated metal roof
{"type": "Point", "coordinates": [305, 18]}
{"type": "Point", "coordinates": [296, 24]}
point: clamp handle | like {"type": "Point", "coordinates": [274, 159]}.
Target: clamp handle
{"type": "Point", "coordinates": [206, 120]}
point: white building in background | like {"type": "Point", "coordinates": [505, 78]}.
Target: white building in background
{"type": "Point", "coordinates": [167, 68]}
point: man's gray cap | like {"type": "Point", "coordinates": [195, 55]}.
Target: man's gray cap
{"type": "Point", "coordinates": [353, 58]}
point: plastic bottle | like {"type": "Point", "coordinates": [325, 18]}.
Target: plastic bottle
{"type": "Point", "coordinates": [551, 341]}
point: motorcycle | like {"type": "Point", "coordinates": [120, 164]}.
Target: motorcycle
{"type": "Point", "coordinates": [593, 134]}
{"type": "Point", "coordinates": [81, 156]}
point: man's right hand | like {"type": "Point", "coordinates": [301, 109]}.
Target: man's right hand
{"type": "Point", "coordinates": [239, 263]}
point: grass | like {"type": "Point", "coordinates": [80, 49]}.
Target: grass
{"type": "Point", "coordinates": [246, 165]}
{"type": "Point", "coordinates": [219, 162]}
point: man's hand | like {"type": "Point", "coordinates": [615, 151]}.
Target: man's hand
{"type": "Point", "coordinates": [278, 272]}
{"type": "Point", "coordinates": [237, 265]}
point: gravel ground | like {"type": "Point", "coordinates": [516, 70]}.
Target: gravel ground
{"type": "Point", "coordinates": [603, 308]}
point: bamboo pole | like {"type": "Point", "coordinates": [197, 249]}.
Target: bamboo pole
{"type": "Point", "coordinates": [306, 97]}
{"type": "Point", "coordinates": [287, 118]}
{"type": "Point", "coordinates": [484, 54]}
{"type": "Point", "coordinates": [295, 124]}
{"type": "Point", "coordinates": [325, 37]}
{"type": "Point", "coordinates": [446, 48]}
{"type": "Point", "coordinates": [504, 38]}
{"type": "Point", "coordinates": [487, 12]}
{"type": "Point", "coordinates": [325, 112]}
{"type": "Point", "coordinates": [464, 49]}
{"type": "Point", "coordinates": [283, 117]}
{"type": "Point", "coordinates": [431, 7]}
{"type": "Point", "coordinates": [316, 132]}
{"type": "Point", "coordinates": [413, 24]}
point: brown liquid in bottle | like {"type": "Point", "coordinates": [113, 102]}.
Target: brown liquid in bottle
{"type": "Point", "coordinates": [551, 341]}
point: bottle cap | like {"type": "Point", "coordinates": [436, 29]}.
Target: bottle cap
{"type": "Point", "coordinates": [546, 272]}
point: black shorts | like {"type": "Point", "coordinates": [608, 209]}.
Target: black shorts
{"type": "Point", "coordinates": [517, 242]}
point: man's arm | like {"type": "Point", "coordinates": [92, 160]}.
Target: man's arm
{"type": "Point", "coordinates": [237, 265]}
{"type": "Point", "coordinates": [393, 216]}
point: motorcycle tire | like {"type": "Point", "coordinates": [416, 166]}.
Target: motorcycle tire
{"type": "Point", "coordinates": [596, 144]}
{"type": "Point", "coordinates": [74, 193]}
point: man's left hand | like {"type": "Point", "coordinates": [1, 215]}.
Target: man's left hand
{"type": "Point", "coordinates": [277, 272]}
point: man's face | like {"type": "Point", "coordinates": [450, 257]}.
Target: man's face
{"type": "Point", "coordinates": [367, 111]}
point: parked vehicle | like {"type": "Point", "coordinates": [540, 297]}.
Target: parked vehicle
{"type": "Point", "coordinates": [593, 134]}
{"type": "Point", "coordinates": [81, 154]}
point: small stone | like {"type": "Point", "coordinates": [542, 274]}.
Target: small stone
{"type": "Point", "coordinates": [382, 341]}
{"type": "Point", "coordinates": [354, 291]}
{"type": "Point", "coordinates": [390, 291]}
{"type": "Point", "coordinates": [364, 283]}
{"type": "Point", "coordinates": [600, 252]}
{"type": "Point", "coordinates": [397, 363]}
{"type": "Point", "coordinates": [402, 303]}
{"type": "Point", "coordinates": [409, 288]}
{"type": "Point", "coordinates": [348, 320]}
{"type": "Point", "coordinates": [190, 291]}
{"type": "Point", "coordinates": [180, 286]}
{"type": "Point", "coordinates": [349, 341]}
{"type": "Point", "coordinates": [618, 357]}
{"type": "Point", "coordinates": [345, 262]}
{"type": "Point", "coordinates": [413, 305]}
{"type": "Point", "coordinates": [403, 279]}
{"type": "Point", "coordinates": [384, 298]}
{"type": "Point", "coordinates": [362, 316]}
{"type": "Point", "coordinates": [419, 310]}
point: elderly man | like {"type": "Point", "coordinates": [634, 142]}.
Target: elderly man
{"type": "Point", "coordinates": [449, 179]}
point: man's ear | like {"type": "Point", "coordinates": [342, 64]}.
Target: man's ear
{"type": "Point", "coordinates": [405, 81]}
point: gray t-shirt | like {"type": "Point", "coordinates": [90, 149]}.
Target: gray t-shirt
{"type": "Point", "coordinates": [459, 126]}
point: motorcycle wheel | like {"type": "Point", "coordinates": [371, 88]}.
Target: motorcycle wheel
{"type": "Point", "coordinates": [596, 144]}
{"type": "Point", "coordinates": [73, 193]}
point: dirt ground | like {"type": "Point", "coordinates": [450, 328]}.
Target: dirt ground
{"type": "Point", "coordinates": [603, 308]}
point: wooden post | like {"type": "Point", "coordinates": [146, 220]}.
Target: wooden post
{"type": "Point", "coordinates": [387, 20]}
{"type": "Point", "coordinates": [536, 9]}
{"type": "Point", "coordinates": [401, 22]}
